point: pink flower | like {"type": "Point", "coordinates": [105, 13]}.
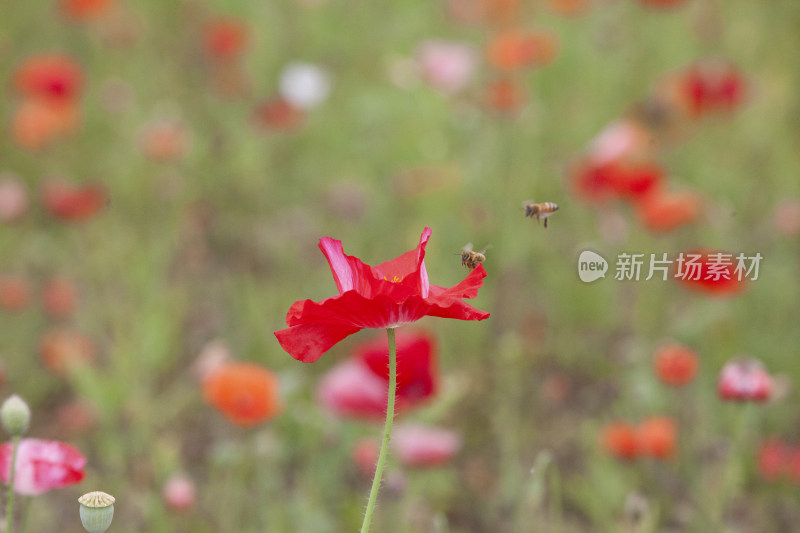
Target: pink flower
{"type": "Point", "coordinates": [179, 493]}
{"type": "Point", "coordinates": [424, 446]}
{"type": "Point", "coordinates": [42, 465]}
{"type": "Point", "coordinates": [358, 387]}
{"type": "Point", "coordinates": [388, 295]}
{"type": "Point", "coordinates": [447, 66]}
{"type": "Point", "coordinates": [744, 379]}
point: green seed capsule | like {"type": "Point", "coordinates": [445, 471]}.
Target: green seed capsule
{"type": "Point", "coordinates": [97, 511]}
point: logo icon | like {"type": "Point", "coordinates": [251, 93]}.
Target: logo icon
{"type": "Point", "coordinates": [591, 266]}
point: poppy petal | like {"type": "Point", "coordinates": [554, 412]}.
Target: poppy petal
{"type": "Point", "coordinates": [307, 342]}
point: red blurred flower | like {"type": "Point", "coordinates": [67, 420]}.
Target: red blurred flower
{"type": "Point", "coordinates": [276, 114]}
{"type": "Point", "coordinates": [62, 349]}
{"type": "Point", "coordinates": [675, 364]}
{"type": "Point", "coordinates": [663, 211]}
{"type": "Point", "coordinates": [772, 459]}
{"type": "Point", "coordinates": [596, 182]}
{"type": "Point", "coordinates": [42, 465]}
{"type": "Point", "coordinates": [14, 293]}
{"type": "Point", "coordinates": [52, 77]}
{"type": "Point", "coordinates": [417, 445]}
{"type": "Point", "coordinates": [744, 379]}
{"type": "Point", "coordinates": [619, 439]}
{"type": "Point", "coordinates": [656, 437]}
{"type": "Point", "coordinates": [713, 85]}
{"type": "Point", "coordinates": [59, 297]}
{"type": "Point", "coordinates": [712, 272]}
{"type": "Point", "coordinates": [224, 39]}
{"type": "Point", "coordinates": [73, 202]}
{"type": "Point", "coordinates": [504, 95]}
{"type": "Point", "coordinates": [358, 387]}
{"type": "Point", "coordinates": [365, 453]}
{"type": "Point", "coordinates": [514, 49]}
{"type": "Point", "coordinates": [246, 393]}
{"type": "Point", "coordinates": [388, 295]}
{"type": "Point", "coordinates": [84, 9]}
{"type": "Point", "coordinates": [786, 217]}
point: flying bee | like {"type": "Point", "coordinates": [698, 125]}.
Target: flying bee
{"type": "Point", "coordinates": [471, 259]}
{"type": "Point", "coordinates": [538, 211]}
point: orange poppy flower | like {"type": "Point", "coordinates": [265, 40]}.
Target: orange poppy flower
{"type": "Point", "coordinates": [656, 437]}
{"type": "Point", "coordinates": [246, 393]}
{"type": "Point", "coordinates": [513, 50]}
{"type": "Point", "coordinates": [663, 212]}
{"type": "Point", "coordinates": [38, 122]}
{"type": "Point", "coordinates": [675, 364]}
{"type": "Point", "coordinates": [620, 440]}
{"type": "Point", "coordinates": [64, 348]}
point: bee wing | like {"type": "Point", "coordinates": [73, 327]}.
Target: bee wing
{"type": "Point", "coordinates": [467, 247]}
{"type": "Point", "coordinates": [526, 203]}
{"type": "Point", "coordinates": [485, 248]}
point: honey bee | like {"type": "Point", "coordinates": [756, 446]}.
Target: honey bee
{"type": "Point", "coordinates": [471, 259]}
{"type": "Point", "coordinates": [537, 211]}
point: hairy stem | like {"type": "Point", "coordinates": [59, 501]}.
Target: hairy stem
{"type": "Point", "coordinates": [387, 431]}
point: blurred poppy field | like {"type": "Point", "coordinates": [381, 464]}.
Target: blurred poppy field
{"type": "Point", "coordinates": [169, 168]}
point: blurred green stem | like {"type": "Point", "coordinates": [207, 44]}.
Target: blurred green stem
{"type": "Point", "coordinates": [387, 431]}
{"type": "Point", "coordinates": [10, 505]}
{"type": "Point", "coordinates": [732, 475]}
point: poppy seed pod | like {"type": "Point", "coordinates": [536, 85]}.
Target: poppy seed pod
{"type": "Point", "coordinates": [97, 511]}
{"type": "Point", "coordinates": [15, 415]}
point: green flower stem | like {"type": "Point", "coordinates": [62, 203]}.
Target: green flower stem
{"type": "Point", "coordinates": [10, 505]}
{"type": "Point", "coordinates": [387, 431]}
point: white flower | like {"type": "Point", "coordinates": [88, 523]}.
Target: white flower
{"type": "Point", "coordinates": [304, 85]}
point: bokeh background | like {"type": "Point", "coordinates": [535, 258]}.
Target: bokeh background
{"type": "Point", "coordinates": [176, 176]}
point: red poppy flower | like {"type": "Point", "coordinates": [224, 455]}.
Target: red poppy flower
{"type": "Point", "coordinates": [59, 297]}
{"type": "Point", "coordinates": [619, 439]}
{"type": "Point", "coordinates": [504, 95]}
{"type": "Point", "coordinates": [388, 295]}
{"type": "Point", "coordinates": [716, 273]}
{"type": "Point", "coordinates": [53, 77]}
{"type": "Point", "coordinates": [358, 387]}
{"type": "Point", "coordinates": [179, 493]}
{"type": "Point", "coordinates": [73, 202]}
{"type": "Point", "coordinates": [246, 393]}
{"type": "Point", "coordinates": [663, 211]}
{"type": "Point", "coordinates": [276, 114]}
{"type": "Point", "coordinates": [417, 445]}
{"type": "Point", "coordinates": [42, 465]}
{"type": "Point", "coordinates": [772, 457]}
{"type": "Point", "coordinates": [713, 85]}
{"type": "Point", "coordinates": [225, 39]}
{"type": "Point", "coordinates": [84, 9]}
{"type": "Point", "coordinates": [675, 364]}
{"type": "Point", "coordinates": [744, 379]}
{"type": "Point", "coordinates": [14, 293]}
